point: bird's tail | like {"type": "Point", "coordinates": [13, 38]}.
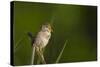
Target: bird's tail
{"type": "Point", "coordinates": [30, 35]}
{"type": "Point", "coordinates": [32, 38]}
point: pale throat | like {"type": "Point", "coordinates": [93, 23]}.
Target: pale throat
{"type": "Point", "coordinates": [46, 33]}
{"type": "Point", "coordinates": [46, 30]}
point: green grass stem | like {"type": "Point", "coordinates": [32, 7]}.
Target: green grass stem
{"type": "Point", "coordinates": [61, 52]}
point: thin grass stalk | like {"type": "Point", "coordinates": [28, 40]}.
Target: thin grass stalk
{"type": "Point", "coordinates": [17, 44]}
{"type": "Point", "coordinates": [33, 55]}
{"type": "Point", "coordinates": [61, 52]}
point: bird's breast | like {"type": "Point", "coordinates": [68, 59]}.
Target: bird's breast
{"type": "Point", "coordinates": [43, 38]}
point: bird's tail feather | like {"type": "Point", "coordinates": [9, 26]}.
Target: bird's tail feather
{"type": "Point", "coordinates": [30, 35]}
{"type": "Point", "coordinates": [32, 38]}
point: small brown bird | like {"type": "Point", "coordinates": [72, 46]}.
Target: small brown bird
{"type": "Point", "coordinates": [42, 39]}
{"type": "Point", "coordinates": [43, 36]}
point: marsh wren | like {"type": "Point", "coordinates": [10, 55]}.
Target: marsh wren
{"type": "Point", "coordinates": [43, 36]}
{"type": "Point", "coordinates": [42, 39]}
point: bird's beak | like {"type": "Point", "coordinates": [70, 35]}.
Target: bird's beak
{"type": "Point", "coordinates": [51, 30]}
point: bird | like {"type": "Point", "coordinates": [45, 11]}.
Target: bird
{"type": "Point", "coordinates": [40, 41]}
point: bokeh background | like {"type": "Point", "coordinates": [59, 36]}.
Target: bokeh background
{"type": "Point", "coordinates": [75, 23]}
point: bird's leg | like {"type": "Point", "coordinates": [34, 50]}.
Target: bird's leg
{"type": "Point", "coordinates": [40, 54]}
{"type": "Point", "coordinates": [42, 57]}
{"type": "Point", "coordinates": [38, 59]}
{"type": "Point", "coordinates": [41, 51]}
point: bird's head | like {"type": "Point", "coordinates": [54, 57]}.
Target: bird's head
{"type": "Point", "coordinates": [47, 27]}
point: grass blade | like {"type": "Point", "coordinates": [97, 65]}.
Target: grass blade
{"type": "Point", "coordinates": [16, 46]}
{"type": "Point", "coordinates": [61, 52]}
{"type": "Point", "coordinates": [33, 55]}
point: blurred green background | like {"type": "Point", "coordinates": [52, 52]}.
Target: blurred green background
{"type": "Point", "coordinates": [75, 23]}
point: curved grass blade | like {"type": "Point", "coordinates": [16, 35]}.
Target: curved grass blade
{"type": "Point", "coordinates": [17, 44]}
{"type": "Point", "coordinates": [61, 52]}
